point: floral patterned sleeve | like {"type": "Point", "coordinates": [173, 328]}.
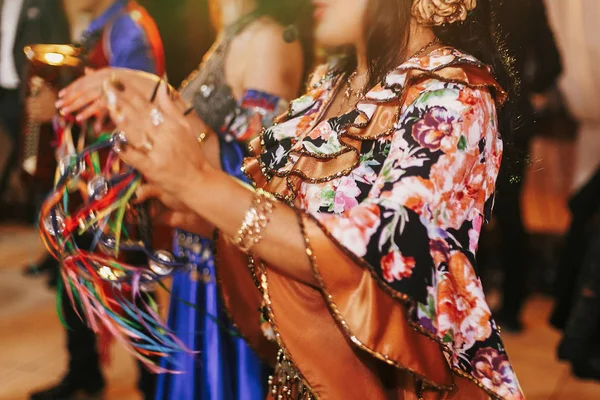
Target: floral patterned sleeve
{"type": "Point", "coordinates": [391, 220]}
{"type": "Point", "coordinates": [418, 227]}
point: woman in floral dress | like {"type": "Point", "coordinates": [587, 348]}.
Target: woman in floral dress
{"type": "Point", "coordinates": [351, 262]}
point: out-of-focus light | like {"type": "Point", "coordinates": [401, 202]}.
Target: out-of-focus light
{"type": "Point", "coordinates": [54, 58]}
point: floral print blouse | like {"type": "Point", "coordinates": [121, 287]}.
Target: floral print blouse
{"type": "Point", "coordinates": [402, 185]}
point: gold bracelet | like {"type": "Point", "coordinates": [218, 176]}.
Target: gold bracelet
{"type": "Point", "coordinates": [256, 220]}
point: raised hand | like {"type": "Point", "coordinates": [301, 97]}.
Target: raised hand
{"type": "Point", "coordinates": [161, 142]}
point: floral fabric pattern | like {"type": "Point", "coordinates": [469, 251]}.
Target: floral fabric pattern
{"type": "Point", "coordinates": [414, 205]}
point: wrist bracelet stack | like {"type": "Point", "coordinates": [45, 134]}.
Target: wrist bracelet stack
{"type": "Point", "coordinates": [256, 220]}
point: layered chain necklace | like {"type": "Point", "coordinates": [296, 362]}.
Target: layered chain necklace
{"type": "Point", "coordinates": [358, 94]}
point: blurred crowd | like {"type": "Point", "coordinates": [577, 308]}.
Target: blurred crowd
{"type": "Point", "coordinates": [555, 47]}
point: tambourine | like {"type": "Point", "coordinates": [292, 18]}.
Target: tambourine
{"type": "Point", "coordinates": [88, 223]}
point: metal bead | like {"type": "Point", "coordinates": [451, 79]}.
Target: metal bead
{"type": "Point", "coordinates": [196, 248]}
{"type": "Point", "coordinates": [97, 187]}
{"type": "Point", "coordinates": [207, 90]}
{"type": "Point", "coordinates": [56, 219]}
{"type": "Point", "coordinates": [118, 141]}
{"type": "Point", "coordinates": [67, 166]}
{"type": "Point", "coordinates": [159, 263]}
{"type": "Point", "coordinates": [206, 276]}
{"type": "Point", "coordinates": [107, 245]}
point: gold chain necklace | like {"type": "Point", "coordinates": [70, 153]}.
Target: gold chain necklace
{"type": "Point", "coordinates": [360, 93]}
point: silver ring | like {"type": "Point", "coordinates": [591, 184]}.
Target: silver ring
{"type": "Point", "coordinates": [156, 117]}
{"type": "Point", "coordinates": [118, 141]}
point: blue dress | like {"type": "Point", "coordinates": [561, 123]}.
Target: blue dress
{"type": "Point", "coordinates": [225, 368]}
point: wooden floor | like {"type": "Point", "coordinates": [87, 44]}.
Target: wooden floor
{"type": "Point", "coordinates": [32, 340]}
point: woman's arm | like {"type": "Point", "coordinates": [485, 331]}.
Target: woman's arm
{"type": "Point", "coordinates": [282, 246]}
{"type": "Point", "coordinates": [271, 65]}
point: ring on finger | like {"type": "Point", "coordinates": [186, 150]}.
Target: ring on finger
{"type": "Point", "coordinates": [147, 146]}
{"type": "Point", "coordinates": [156, 117]}
{"type": "Point", "coordinates": [118, 141]}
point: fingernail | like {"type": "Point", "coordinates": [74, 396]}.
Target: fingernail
{"type": "Point", "coordinates": [116, 82]}
{"type": "Point", "coordinates": [79, 118]}
{"type": "Point", "coordinates": [167, 87]}
{"type": "Point", "coordinates": [58, 104]}
{"type": "Point", "coordinates": [62, 93]}
{"type": "Point", "coordinates": [118, 85]}
{"type": "Point", "coordinates": [155, 92]}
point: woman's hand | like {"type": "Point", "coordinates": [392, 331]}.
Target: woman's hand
{"type": "Point", "coordinates": [161, 142]}
{"type": "Point", "coordinates": [85, 96]}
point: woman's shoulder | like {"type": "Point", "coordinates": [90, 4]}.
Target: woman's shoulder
{"type": "Point", "coordinates": [264, 37]}
{"type": "Point", "coordinates": [266, 31]}
{"type": "Point", "coordinates": [444, 66]}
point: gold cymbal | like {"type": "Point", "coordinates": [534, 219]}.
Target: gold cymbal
{"type": "Point", "coordinates": [53, 55]}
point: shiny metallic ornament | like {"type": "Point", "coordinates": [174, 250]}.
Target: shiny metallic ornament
{"type": "Point", "coordinates": [118, 141]}
{"type": "Point", "coordinates": [206, 276]}
{"type": "Point", "coordinates": [110, 274]}
{"type": "Point", "coordinates": [207, 90]}
{"type": "Point", "coordinates": [54, 223]}
{"type": "Point", "coordinates": [69, 165]}
{"type": "Point", "coordinates": [159, 262]}
{"type": "Point", "coordinates": [97, 188]}
{"type": "Point", "coordinates": [107, 245]}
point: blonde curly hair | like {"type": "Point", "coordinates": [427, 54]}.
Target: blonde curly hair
{"type": "Point", "coordinates": [440, 12]}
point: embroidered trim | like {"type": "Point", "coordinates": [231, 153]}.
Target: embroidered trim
{"type": "Point", "coordinates": [398, 92]}
{"type": "Point", "coordinates": [328, 298]}
{"type": "Point", "coordinates": [304, 387]}
{"type": "Point", "coordinates": [409, 302]}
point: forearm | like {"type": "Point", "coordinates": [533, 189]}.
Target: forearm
{"type": "Point", "coordinates": [282, 246]}
{"type": "Point", "coordinates": [210, 144]}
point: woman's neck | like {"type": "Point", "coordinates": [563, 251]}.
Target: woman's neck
{"type": "Point", "coordinates": [420, 37]}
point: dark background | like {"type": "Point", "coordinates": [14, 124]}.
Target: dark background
{"type": "Point", "coordinates": [186, 32]}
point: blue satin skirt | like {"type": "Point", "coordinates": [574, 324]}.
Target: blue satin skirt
{"type": "Point", "coordinates": [225, 368]}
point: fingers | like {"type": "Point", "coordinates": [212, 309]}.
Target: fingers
{"type": "Point", "coordinates": [96, 109]}
{"type": "Point", "coordinates": [169, 101]}
{"type": "Point", "coordinates": [136, 158]}
{"type": "Point", "coordinates": [103, 122]}
{"type": "Point", "coordinates": [128, 110]}
{"type": "Point", "coordinates": [173, 219]}
{"type": "Point", "coordinates": [79, 101]}
{"type": "Point", "coordinates": [91, 82]}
